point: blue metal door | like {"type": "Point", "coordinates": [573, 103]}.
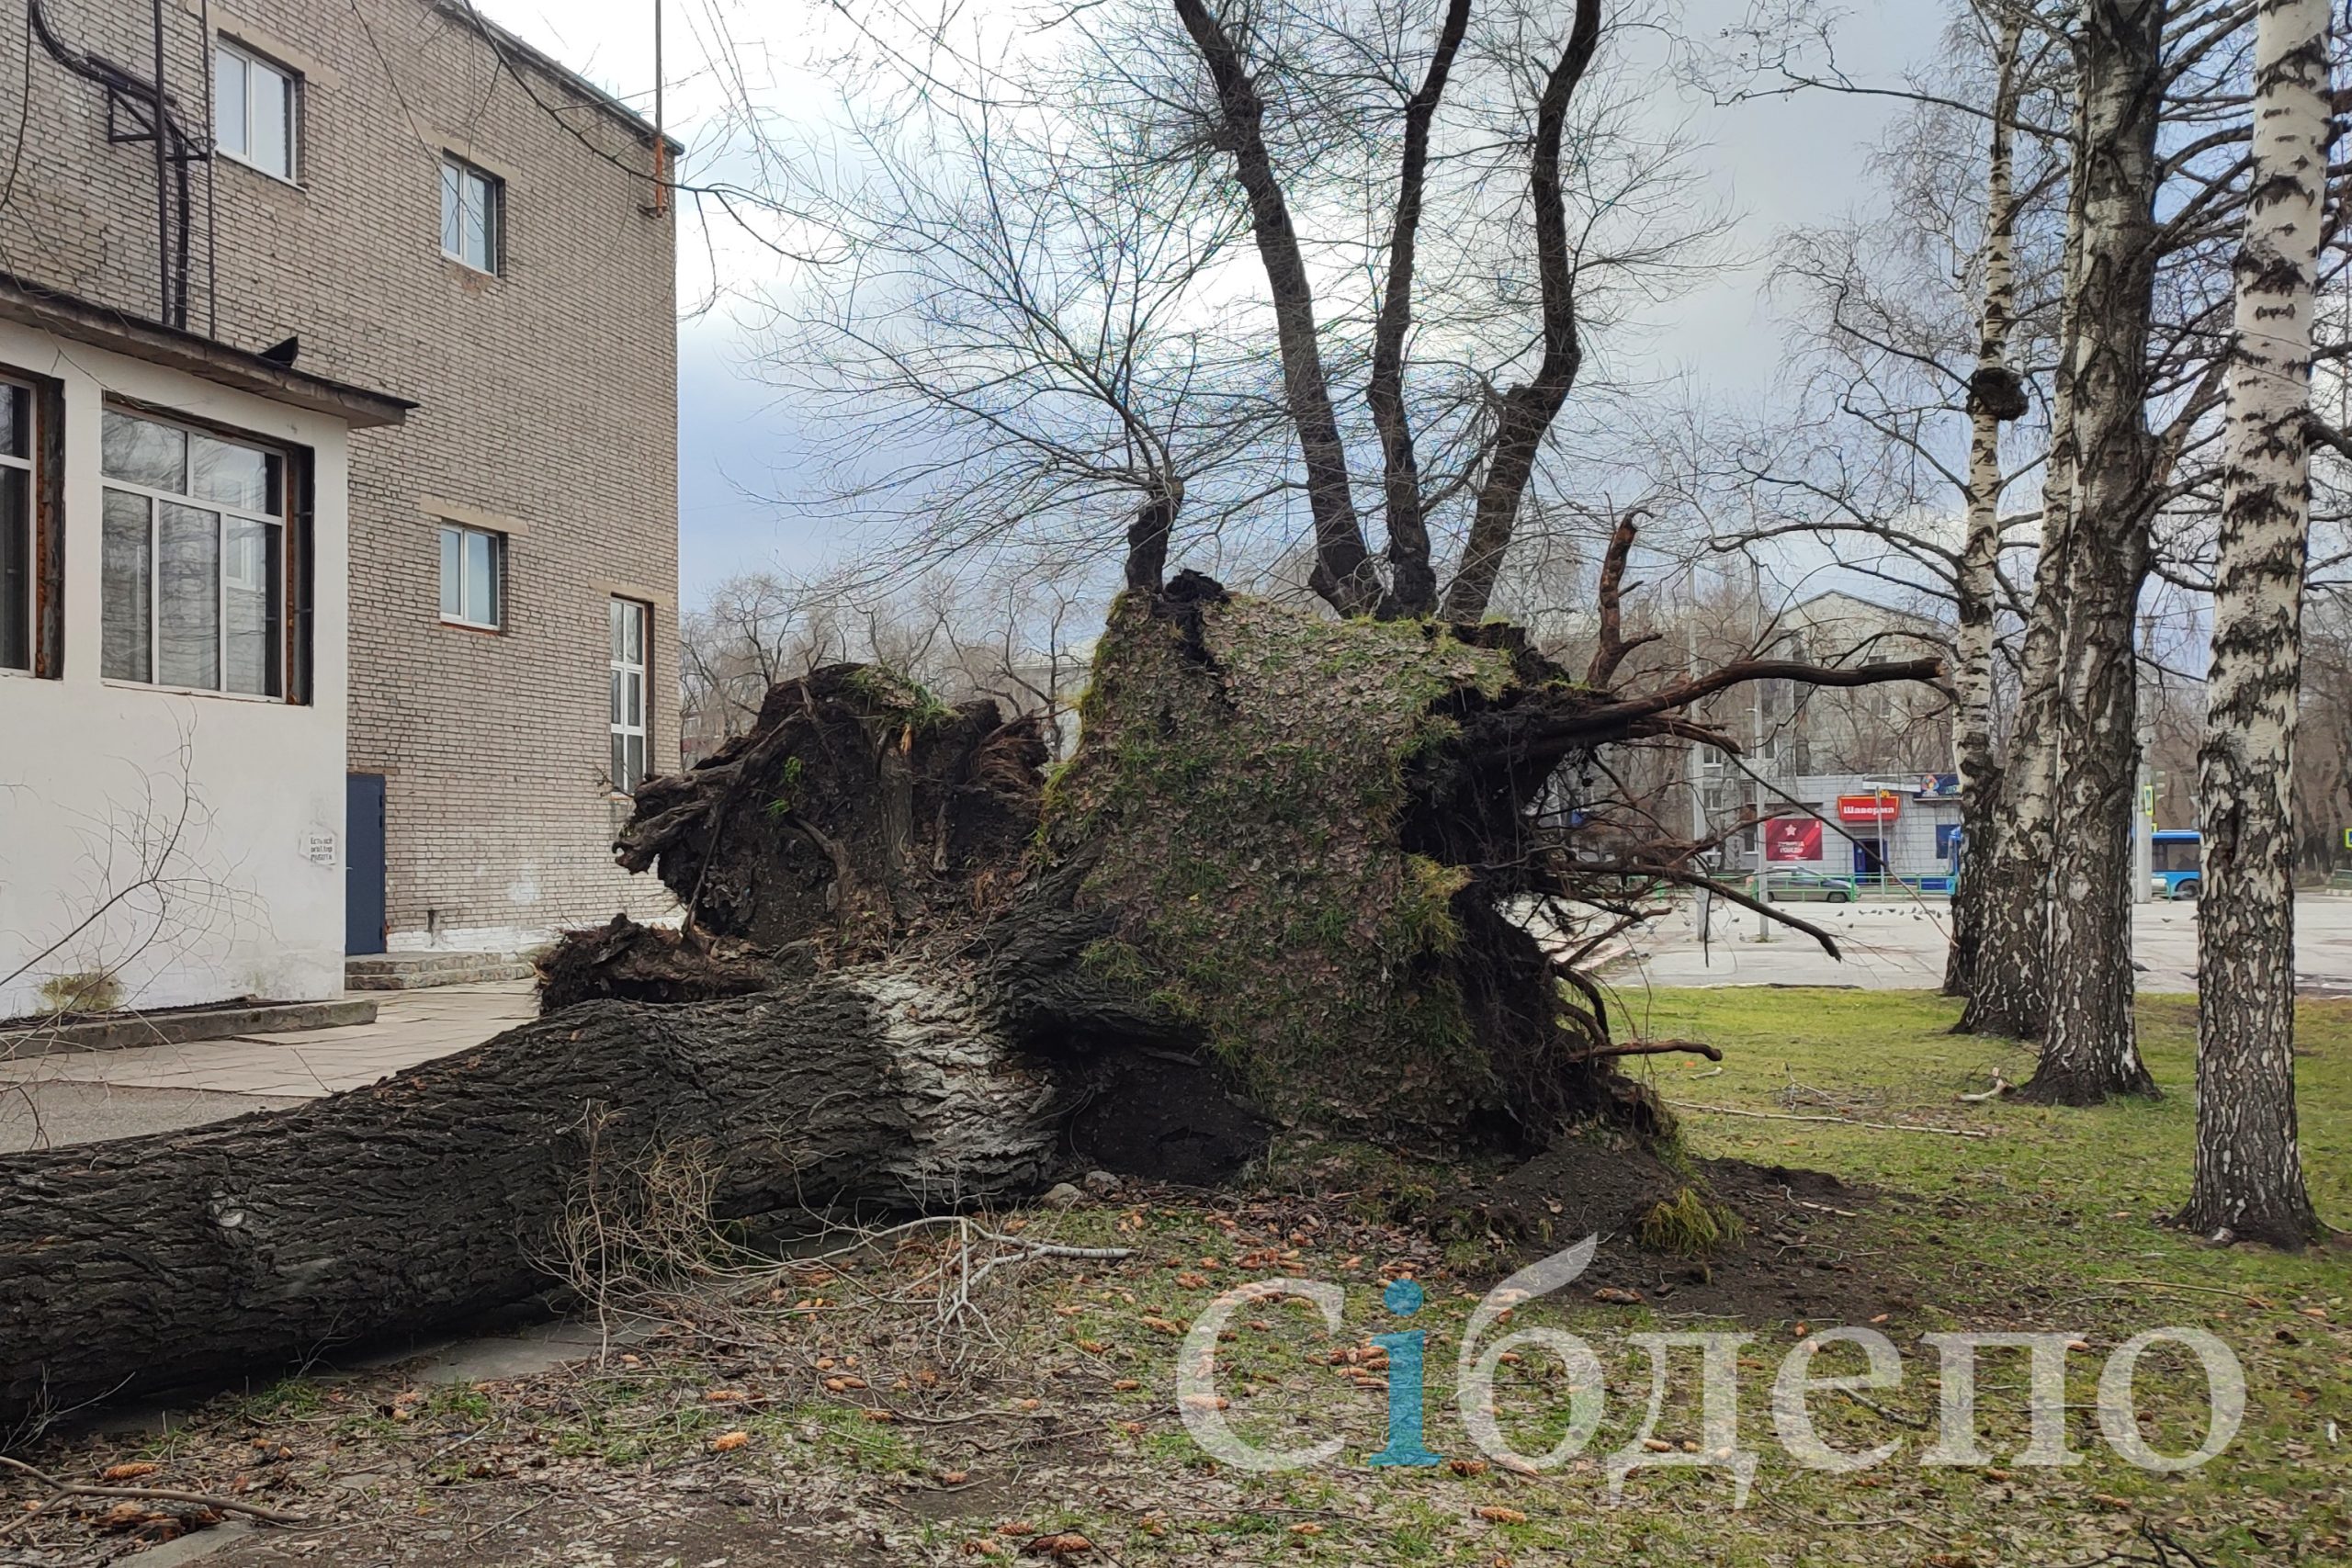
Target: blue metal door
{"type": "Point", "coordinates": [363, 862]}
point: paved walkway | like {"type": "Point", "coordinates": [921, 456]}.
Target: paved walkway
{"type": "Point", "coordinates": [1893, 945]}
{"type": "Point", "coordinates": [78, 1097]}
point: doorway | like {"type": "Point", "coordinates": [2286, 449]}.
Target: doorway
{"type": "Point", "coordinates": [363, 863]}
{"type": "Point", "coordinates": [1870, 862]}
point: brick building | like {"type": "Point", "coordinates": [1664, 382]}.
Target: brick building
{"type": "Point", "coordinates": [423, 290]}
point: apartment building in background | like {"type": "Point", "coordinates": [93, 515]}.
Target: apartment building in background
{"type": "Point", "coordinates": [338, 495]}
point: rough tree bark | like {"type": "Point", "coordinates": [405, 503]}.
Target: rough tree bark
{"type": "Point", "coordinates": [2249, 1174]}
{"type": "Point", "coordinates": [442, 1191]}
{"type": "Point", "coordinates": [1995, 395]}
{"type": "Point", "coordinates": [2089, 1049]}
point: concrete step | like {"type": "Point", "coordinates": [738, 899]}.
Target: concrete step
{"type": "Point", "coordinates": [416, 970]}
{"type": "Point", "coordinates": [177, 1027]}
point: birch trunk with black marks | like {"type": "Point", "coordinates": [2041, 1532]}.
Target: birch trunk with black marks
{"type": "Point", "coordinates": [2090, 1049]}
{"type": "Point", "coordinates": [1995, 396]}
{"type": "Point", "coordinates": [2007, 979]}
{"type": "Point", "coordinates": [2249, 1176]}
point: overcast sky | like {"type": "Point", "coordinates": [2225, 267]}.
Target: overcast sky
{"type": "Point", "coordinates": [1776, 163]}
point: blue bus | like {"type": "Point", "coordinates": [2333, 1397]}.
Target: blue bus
{"type": "Point", "coordinates": [2176, 860]}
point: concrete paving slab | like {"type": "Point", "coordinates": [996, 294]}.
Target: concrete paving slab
{"type": "Point", "coordinates": [121, 1093]}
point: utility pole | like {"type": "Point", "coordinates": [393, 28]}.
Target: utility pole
{"type": "Point", "coordinates": [1755, 692]}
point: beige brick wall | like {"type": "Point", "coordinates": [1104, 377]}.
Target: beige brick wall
{"type": "Point", "coordinates": [547, 395]}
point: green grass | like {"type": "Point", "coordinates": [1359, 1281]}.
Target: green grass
{"type": "Point", "coordinates": [1069, 1420]}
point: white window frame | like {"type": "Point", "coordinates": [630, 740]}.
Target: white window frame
{"type": "Point", "coordinates": [631, 678]}
{"type": "Point", "coordinates": [30, 465]}
{"type": "Point", "coordinates": [497, 622]}
{"type": "Point", "coordinates": [493, 223]}
{"type": "Point", "coordinates": [222, 510]}
{"type": "Point", "coordinates": [254, 60]}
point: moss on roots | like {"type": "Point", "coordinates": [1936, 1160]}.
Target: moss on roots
{"type": "Point", "coordinates": [1241, 787]}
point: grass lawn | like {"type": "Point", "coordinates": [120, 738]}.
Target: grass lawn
{"type": "Point", "coordinates": [832, 1417]}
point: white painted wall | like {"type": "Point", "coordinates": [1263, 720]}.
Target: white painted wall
{"type": "Point", "coordinates": [97, 777]}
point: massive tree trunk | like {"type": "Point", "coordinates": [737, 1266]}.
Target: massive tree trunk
{"type": "Point", "coordinates": [445, 1191]}
{"type": "Point", "coordinates": [2089, 1049]}
{"type": "Point", "coordinates": [2249, 1175]}
{"type": "Point", "coordinates": [1995, 395]}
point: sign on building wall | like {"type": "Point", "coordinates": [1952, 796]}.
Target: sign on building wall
{"type": "Point", "coordinates": [1792, 838]}
{"type": "Point", "coordinates": [1873, 810]}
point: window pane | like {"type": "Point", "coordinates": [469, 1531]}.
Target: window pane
{"type": "Point", "coordinates": [15, 570]}
{"type": "Point", "coordinates": [228, 102]}
{"type": "Point", "coordinates": [636, 764]}
{"type": "Point", "coordinates": [476, 192]}
{"type": "Point", "coordinates": [232, 475]}
{"type": "Point", "coordinates": [617, 698]}
{"type": "Point", "coordinates": [618, 769]}
{"type": "Point", "coordinates": [249, 575]}
{"type": "Point", "coordinates": [452, 602]}
{"type": "Point", "coordinates": [632, 634]}
{"type": "Point", "coordinates": [144, 452]}
{"type": "Point", "coordinates": [273, 98]}
{"type": "Point", "coordinates": [636, 686]}
{"type": "Point", "coordinates": [452, 226]}
{"type": "Point", "coordinates": [481, 578]}
{"type": "Point", "coordinates": [615, 608]}
{"type": "Point", "coordinates": [15, 421]}
{"type": "Point", "coordinates": [123, 593]}
{"type": "Point", "coordinates": [187, 597]}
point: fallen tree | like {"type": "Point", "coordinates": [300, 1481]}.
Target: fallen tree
{"type": "Point", "coordinates": [1281, 882]}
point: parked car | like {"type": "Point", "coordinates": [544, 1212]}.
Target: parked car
{"type": "Point", "coordinates": [1807, 886]}
{"type": "Point", "coordinates": [2176, 861]}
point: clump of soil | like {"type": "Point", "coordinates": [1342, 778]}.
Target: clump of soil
{"type": "Point", "coordinates": [650, 964]}
{"type": "Point", "coordinates": [1246, 798]}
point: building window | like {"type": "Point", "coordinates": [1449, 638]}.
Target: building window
{"type": "Point", "coordinates": [253, 108]}
{"type": "Point", "coordinates": [631, 626]}
{"type": "Point", "coordinates": [474, 577]}
{"type": "Point", "coordinates": [472, 209]}
{"type": "Point", "coordinates": [192, 558]}
{"type": "Point", "coordinates": [18, 495]}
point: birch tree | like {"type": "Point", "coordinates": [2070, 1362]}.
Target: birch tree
{"type": "Point", "coordinates": [1995, 396]}
{"type": "Point", "coordinates": [2249, 1181]}
{"type": "Point", "coordinates": [2090, 1051]}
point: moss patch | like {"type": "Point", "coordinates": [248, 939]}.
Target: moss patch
{"type": "Point", "coordinates": [1244, 793]}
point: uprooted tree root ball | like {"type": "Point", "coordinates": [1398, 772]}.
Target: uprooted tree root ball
{"type": "Point", "coordinates": [1282, 886]}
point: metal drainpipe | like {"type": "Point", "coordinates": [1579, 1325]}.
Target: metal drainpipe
{"type": "Point", "coordinates": [162, 185]}
{"type": "Point", "coordinates": [211, 197]}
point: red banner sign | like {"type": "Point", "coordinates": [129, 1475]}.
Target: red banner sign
{"type": "Point", "coordinates": [1883, 806]}
{"type": "Point", "coordinates": [1792, 838]}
